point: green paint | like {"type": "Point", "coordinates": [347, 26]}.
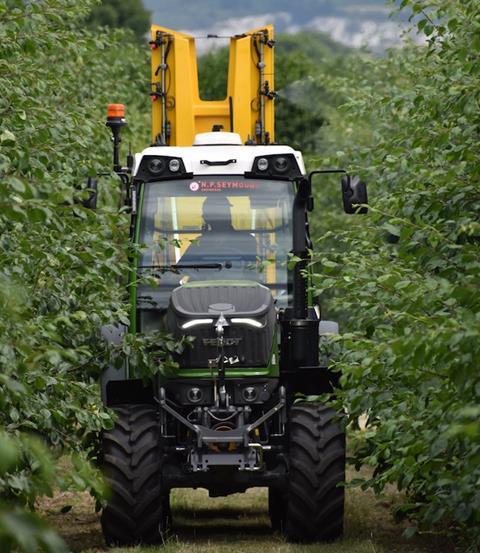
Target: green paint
{"type": "Point", "coordinates": [244, 372]}
{"type": "Point", "coordinates": [204, 283]}
{"type": "Point", "coordinates": [270, 371]}
{"type": "Point", "coordinates": [134, 273]}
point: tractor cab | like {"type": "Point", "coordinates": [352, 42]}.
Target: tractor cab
{"type": "Point", "coordinates": [216, 227]}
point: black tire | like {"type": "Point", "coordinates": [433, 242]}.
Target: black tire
{"type": "Point", "coordinates": [315, 506]}
{"type": "Point", "coordinates": [138, 509]}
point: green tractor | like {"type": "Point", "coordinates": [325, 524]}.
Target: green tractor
{"type": "Point", "coordinates": [221, 220]}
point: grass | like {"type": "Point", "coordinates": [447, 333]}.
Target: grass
{"type": "Point", "coordinates": [240, 524]}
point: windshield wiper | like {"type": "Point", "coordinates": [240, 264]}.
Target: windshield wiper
{"type": "Point", "coordinates": [178, 266]}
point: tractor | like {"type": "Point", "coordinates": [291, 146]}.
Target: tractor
{"type": "Point", "coordinates": [221, 211]}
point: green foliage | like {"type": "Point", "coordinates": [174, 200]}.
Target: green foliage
{"type": "Point", "coordinates": [407, 275]}
{"type": "Point", "coordinates": [212, 75]}
{"type": "Point", "coordinates": [62, 267]}
{"type": "Point", "coordinates": [126, 14]}
{"type": "Point", "coordinates": [20, 530]}
{"type": "Point", "coordinates": [297, 121]}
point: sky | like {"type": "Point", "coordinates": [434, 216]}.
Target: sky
{"type": "Point", "coordinates": [354, 23]}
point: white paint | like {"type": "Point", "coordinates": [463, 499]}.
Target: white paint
{"type": "Point", "coordinates": [193, 155]}
{"type": "Point", "coordinates": [216, 138]}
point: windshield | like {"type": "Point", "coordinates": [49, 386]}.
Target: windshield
{"type": "Point", "coordinates": [215, 228]}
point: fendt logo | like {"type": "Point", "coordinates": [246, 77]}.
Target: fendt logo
{"type": "Point", "coordinates": [226, 342]}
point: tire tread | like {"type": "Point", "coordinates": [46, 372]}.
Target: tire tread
{"type": "Point", "coordinates": [132, 465]}
{"type": "Point", "coordinates": [315, 502]}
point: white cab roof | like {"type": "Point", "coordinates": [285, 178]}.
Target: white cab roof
{"type": "Point", "coordinates": [217, 138]}
{"type": "Point", "coordinates": [214, 147]}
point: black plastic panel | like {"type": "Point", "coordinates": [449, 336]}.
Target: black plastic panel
{"type": "Point", "coordinates": [180, 391]}
{"type": "Point", "coordinates": [245, 346]}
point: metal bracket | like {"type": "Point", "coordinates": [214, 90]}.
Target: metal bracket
{"type": "Point", "coordinates": [207, 435]}
{"type": "Point", "coordinates": [249, 459]}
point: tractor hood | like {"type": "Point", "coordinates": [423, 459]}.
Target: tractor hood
{"type": "Point", "coordinates": [249, 312]}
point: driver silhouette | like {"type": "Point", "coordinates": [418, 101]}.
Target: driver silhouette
{"type": "Point", "coordinates": [217, 215]}
{"type": "Point", "coordinates": [219, 238]}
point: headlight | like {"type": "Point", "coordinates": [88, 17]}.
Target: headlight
{"type": "Point", "coordinates": [250, 322]}
{"type": "Point", "coordinates": [174, 165]}
{"type": "Point", "coordinates": [195, 395]}
{"type": "Point", "coordinates": [156, 166]}
{"type": "Point", "coordinates": [281, 164]}
{"type": "Point", "coordinates": [197, 322]}
{"type": "Point", "coordinates": [249, 394]}
{"type": "Point", "coordinates": [262, 164]}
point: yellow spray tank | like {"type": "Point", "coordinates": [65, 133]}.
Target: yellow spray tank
{"type": "Point", "coordinates": [178, 113]}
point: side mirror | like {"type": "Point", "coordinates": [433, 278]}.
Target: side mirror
{"type": "Point", "coordinates": [304, 188]}
{"type": "Point", "coordinates": [354, 192]}
{"type": "Point", "coordinates": [92, 187]}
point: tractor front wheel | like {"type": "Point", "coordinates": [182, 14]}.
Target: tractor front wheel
{"type": "Point", "coordinates": [138, 508]}
{"type": "Point", "coordinates": [315, 495]}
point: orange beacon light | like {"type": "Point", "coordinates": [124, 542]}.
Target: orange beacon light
{"type": "Point", "coordinates": [116, 120]}
{"type": "Point", "coordinates": [115, 110]}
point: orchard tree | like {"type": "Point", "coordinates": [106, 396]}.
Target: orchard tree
{"type": "Point", "coordinates": [407, 274]}
{"type": "Point", "coordinates": [62, 267]}
{"type": "Point", "coordinates": [127, 14]}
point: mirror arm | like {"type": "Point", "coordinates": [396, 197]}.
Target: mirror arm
{"type": "Point", "coordinates": [325, 172]}
{"type": "Point", "coordinates": [91, 201]}
{"type": "Point", "coordinates": [310, 202]}
{"type": "Point", "coordinates": [354, 191]}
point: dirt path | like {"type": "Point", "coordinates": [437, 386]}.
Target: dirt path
{"type": "Point", "coordinates": [240, 524]}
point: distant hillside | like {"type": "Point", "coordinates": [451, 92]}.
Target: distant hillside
{"type": "Point", "coordinates": [351, 22]}
{"type": "Point", "coordinates": [202, 13]}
